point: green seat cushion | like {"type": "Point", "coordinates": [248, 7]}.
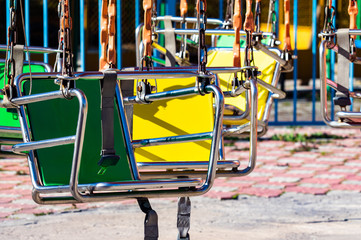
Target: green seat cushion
{"type": "Point", "coordinates": [58, 118]}
{"type": "Point", "coordinates": [9, 117]}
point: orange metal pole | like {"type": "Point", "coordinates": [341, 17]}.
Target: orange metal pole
{"type": "Point", "coordinates": [249, 21]}
{"type": "Point", "coordinates": [287, 44]}
{"type": "Point", "coordinates": [353, 11]}
{"type": "Point", "coordinates": [183, 7]}
{"type": "Point", "coordinates": [147, 30]}
{"type": "Point", "coordinates": [111, 33]}
{"type": "Point", "coordinates": [104, 35]}
{"type": "Point", "coordinates": [237, 24]}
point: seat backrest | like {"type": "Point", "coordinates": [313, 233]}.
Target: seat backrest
{"type": "Point", "coordinates": [184, 115]}
{"type": "Point", "coordinates": [9, 117]}
{"type": "Point", "coordinates": [223, 57]}
{"type": "Point", "coordinates": [58, 118]}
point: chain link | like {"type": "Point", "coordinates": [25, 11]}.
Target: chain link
{"type": "Point", "coordinates": [9, 70]}
{"type": "Point", "coordinates": [329, 17]}
{"type": "Point", "coordinates": [202, 25]}
{"type": "Point", "coordinates": [67, 73]}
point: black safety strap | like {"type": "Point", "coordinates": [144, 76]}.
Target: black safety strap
{"type": "Point", "coordinates": [108, 155]}
{"type": "Point", "coordinates": [17, 68]}
{"type": "Point", "coordinates": [18, 59]}
{"type": "Point", "coordinates": [184, 218]}
{"type": "Point", "coordinates": [150, 221]}
{"type": "Point", "coordinates": [170, 43]}
{"type": "Point", "coordinates": [342, 97]}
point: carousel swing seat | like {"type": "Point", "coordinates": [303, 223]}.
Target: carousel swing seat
{"type": "Point", "coordinates": [64, 162]}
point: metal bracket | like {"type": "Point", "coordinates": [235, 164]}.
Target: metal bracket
{"type": "Point", "coordinates": [183, 218]}
{"type": "Point", "coordinates": [150, 221]}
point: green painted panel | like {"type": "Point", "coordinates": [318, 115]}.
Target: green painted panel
{"type": "Point", "coordinates": [9, 117]}
{"type": "Point", "coordinates": [58, 118]}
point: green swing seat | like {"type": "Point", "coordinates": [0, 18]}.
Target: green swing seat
{"type": "Point", "coordinates": [58, 118]}
{"type": "Point", "coordinates": [9, 117]}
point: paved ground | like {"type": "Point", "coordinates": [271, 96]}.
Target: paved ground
{"type": "Point", "coordinates": [299, 190]}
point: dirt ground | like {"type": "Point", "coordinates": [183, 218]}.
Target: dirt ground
{"type": "Point", "coordinates": [292, 216]}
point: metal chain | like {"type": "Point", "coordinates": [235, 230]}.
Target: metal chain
{"type": "Point", "coordinates": [65, 42]}
{"type": "Point", "coordinates": [249, 29]}
{"type": "Point", "coordinates": [9, 70]}
{"type": "Point", "coordinates": [183, 10]}
{"type": "Point", "coordinates": [329, 17]}
{"type": "Point", "coordinates": [107, 37]}
{"type": "Point", "coordinates": [202, 25]}
{"type": "Point", "coordinates": [228, 20]}
{"type": "Point", "coordinates": [353, 11]}
{"type": "Point", "coordinates": [258, 16]}
{"type": "Point", "coordinates": [250, 71]}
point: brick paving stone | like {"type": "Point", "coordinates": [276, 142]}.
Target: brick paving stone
{"type": "Point", "coordinates": [13, 196]}
{"type": "Point", "coordinates": [269, 193]}
{"type": "Point", "coordinates": [256, 179]}
{"type": "Point", "coordinates": [6, 200]}
{"type": "Point", "coordinates": [346, 155]}
{"type": "Point", "coordinates": [331, 159]}
{"type": "Point", "coordinates": [221, 195]}
{"type": "Point", "coordinates": [269, 186]}
{"type": "Point", "coordinates": [285, 179]}
{"type": "Point", "coordinates": [294, 162]}
{"type": "Point", "coordinates": [307, 190]}
{"type": "Point", "coordinates": [266, 158]}
{"type": "Point", "coordinates": [28, 216]}
{"type": "Point", "coordinates": [316, 166]}
{"type": "Point", "coordinates": [354, 178]}
{"type": "Point", "coordinates": [327, 175]}
{"type": "Point", "coordinates": [352, 182]}
{"type": "Point", "coordinates": [224, 189]}
{"type": "Point", "coordinates": [301, 171]}
{"type": "Point", "coordinates": [349, 187]}
{"type": "Point", "coordinates": [290, 174]}
{"type": "Point", "coordinates": [314, 185]}
{"type": "Point", "coordinates": [23, 187]}
{"type": "Point", "coordinates": [4, 215]}
{"type": "Point", "coordinates": [343, 169]}
{"type": "Point", "coordinates": [306, 155]}
{"type": "Point", "coordinates": [6, 186]}
{"type": "Point", "coordinates": [34, 211]}
{"type": "Point", "coordinates": [274, 168]}
{"type": "Point", "coordinates": [321, 181]}
{"type": "Point", "coordinates": [354, 163]}
{"type": "Point", "coordinates": [8, 208]}
{"type": "Point", "coordinates": [261, 174]}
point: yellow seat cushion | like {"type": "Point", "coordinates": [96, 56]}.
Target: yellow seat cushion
{"type": "Point", "coordinates": [266, 65]}
{"type": "Point", "coordinates": [180, 116]}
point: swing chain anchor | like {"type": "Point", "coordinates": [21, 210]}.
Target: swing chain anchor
{"type": "Point", "coordinates": [9, 70]}
{"type": "Point", "coordinates": [183, 218]}
{"type": "Point", "coordinates": [204, 80]}
{"type": "Point", "coordinates": [151, 219]}
{"type": "Point", "coordinates": [202, 25]}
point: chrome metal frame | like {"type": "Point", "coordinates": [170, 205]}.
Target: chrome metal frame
{"type": "Point", "coordinates": [109, 191]}
{"type": "Point", "coordinates": [221, 172]}
{"type": "Point", "coordinates": [31, 49]}
{"type": "Point", "coordinates": [323, 91]}
{"type": "Point", "coordinates": [16, 131]}
{"type": "Point", "coordinates": [275, 93]}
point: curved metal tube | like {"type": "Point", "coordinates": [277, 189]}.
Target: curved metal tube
{"type": "Point", "coordinates": [323, 93]}
{"type": "Point", "coordinates": [207, 184]}
{"type": "Point", "coordinates": [129, 189]}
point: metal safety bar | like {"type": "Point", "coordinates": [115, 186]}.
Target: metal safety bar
{"type": "Point", "coordinates": [213, 21]}
{"type": "Point", "coordinates": [210, 32]}
{"type": "Point", "coordinates": [323, 93]}
{"type": "Point", "coordinates": [30, 49]}
{"type": "Point", "coordinates": [77, 190]}
{"type": "Point", "coordinates": [235, 171]}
